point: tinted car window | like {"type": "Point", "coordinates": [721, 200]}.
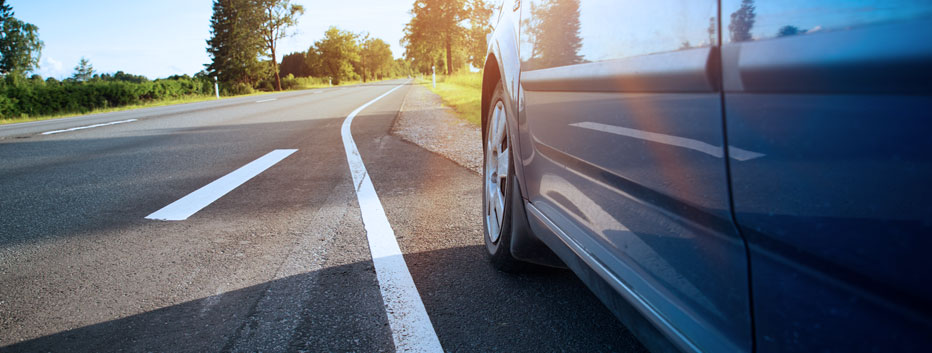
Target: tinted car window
{"type": "Point", "coordinates": [566, 32]}
{"type": "Point", "coordinates": [746, 20]}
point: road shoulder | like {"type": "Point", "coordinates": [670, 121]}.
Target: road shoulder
{"type": "Point", "coordinates": [426, 122]}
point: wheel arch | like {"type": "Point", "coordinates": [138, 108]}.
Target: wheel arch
{"type": "Point", "coordinates": [491, 75]}
{"type": "Point", "coordinates": [525, 245]}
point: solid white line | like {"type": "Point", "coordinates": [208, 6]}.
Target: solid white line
{"type": "Point", "coordinates": [88, 127]}
{"type": "Point", "coordinates": [266, 100]}
{"type": "Point", "coordinates": [410, 325]}
{"type": "Point", "coordinates": [200, 198]}
{"type": "Point", "coordinates": [696, 145]}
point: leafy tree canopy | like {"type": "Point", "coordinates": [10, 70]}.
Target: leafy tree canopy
{"type": "Point", "coordinates": [451, 31]}
{"type": "Point", "coordinates": [337, 52]}
{"type": "Point", "coordinates": [20, 47]}
{"type": "Point", "coordinates": [276, 17]}
{"type": "Point", "coordinates": [376, 58]}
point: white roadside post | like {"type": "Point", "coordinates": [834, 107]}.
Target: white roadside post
{"type": "Point", "coordinates": [216, 88]}
{"type": "Point", "coordinates": [433, 75]}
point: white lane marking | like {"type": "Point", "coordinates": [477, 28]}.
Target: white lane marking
{"type": "Point", "coordinates": [407, 318]}
{"type": "Point", "coordinates": [712, 150]}
{"type": "Point", "coordinates": [266, 100]}
{"type": "Point", "coordinates": [186, 206]}
{"type": "Point", "coordinates": [88, 127]}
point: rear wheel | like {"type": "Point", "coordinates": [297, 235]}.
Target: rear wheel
{"type": "Point", "coordinates": [499, 187]}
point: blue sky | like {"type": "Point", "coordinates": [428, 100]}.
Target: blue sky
{"type": "Point", "coordinates": [166, 37]}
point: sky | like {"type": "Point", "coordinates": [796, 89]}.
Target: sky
{"type": "Point", "coordinates": [168, 37]}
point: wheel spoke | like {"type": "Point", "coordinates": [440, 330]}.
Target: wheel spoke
{"type": "Point", "coordinates": [502, 164]}
{"type": "Point", "coordinates": [499, 207]}
{"type": "Point", "coordinates": [499, 124]}
{"type": "Point", "coordinates": [492, 218]}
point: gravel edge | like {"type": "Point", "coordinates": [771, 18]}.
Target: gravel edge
{"type": "Point", "coordinates": [424, 121]}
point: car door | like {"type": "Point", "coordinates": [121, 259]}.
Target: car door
{"type": "Point", "coordinates": [622, 149]}
{"type": "Point", "coordinates": [836, 96]}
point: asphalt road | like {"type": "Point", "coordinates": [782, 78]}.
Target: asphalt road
{"type": "Point", "coordinates": [281, 262]}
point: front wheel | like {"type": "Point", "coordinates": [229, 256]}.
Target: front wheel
{"type": "Point", "coordinates": [499, 187]}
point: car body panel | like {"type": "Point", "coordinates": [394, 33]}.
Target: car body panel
{"type": "Point", "coordinates": [838, 213]}
{"type": "Point", "coordinates": [625, 154]}
{"type": "Point", "coordinates": [807, 233]}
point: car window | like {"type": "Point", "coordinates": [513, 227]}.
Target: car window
{"type": "Point", "coordinates": [565, 32]}
{"type": "Point", "coordinates": [747, 20]}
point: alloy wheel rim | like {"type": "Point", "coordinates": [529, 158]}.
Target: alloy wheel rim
{"type": "Point", "coordinates": [497, 159]}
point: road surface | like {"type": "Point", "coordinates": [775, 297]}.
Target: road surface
{"type": "Point", "coordinates": [268, 250]}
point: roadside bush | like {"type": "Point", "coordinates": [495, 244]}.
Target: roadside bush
{"type": "Point", "coordinates": [289, 82]}
{"type": "Point", "coordinates": [311, 82]}
{"type": "Point", "coordinates": [238, 89]}
{"type": "Point", "coordinates": [34, 97]}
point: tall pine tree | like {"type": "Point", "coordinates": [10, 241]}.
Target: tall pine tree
{"type": "Point", "coordinates": [553, 28]}
{"type": "Point", "coordinates": [235, 43]}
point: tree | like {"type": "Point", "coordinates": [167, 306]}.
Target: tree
{"type": "Point", "coordinates": [235, 44]}
{"type": "Point", "coordinates": [122, 76]}
{"type": "Point", "coordinates": [277, 17]}
{"type": "Point", "coordinates": [20, 47]}
{"type": "Point", "coordinates": [480, 16]}
{"type": "Point", "coordinates": [84, 71]}
{"type": "Point", "coordinates": [787, 31]}
{"type": "Point", "coordinates": [376, 58]}
{"type": "Point", "coordinates": [337, 52]}
{"type": "Point", "coordinates": [419, 49]}
{"type": "Point", "coordinates": [312, 62]}
{"type": "Point", "coordinates": [436, 24]}
{"type": "Point", "coordinates": [553, 28]}
{"type": "Point", "coordinates": [295, 64]}
{"type": "Point", "coordinates": [742, 21]}
{"type": "Point", "coordinates": [401, 67]}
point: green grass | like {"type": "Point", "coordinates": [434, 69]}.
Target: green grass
{"type": "Point", "coordinates": [462, 92]}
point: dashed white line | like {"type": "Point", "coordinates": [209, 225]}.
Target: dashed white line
{"type": "Point", "coordinates": [696, 145]}
{"type": "Point", "coordinates": [411, 328]}
{"type": "Point", "coordinates": [186, 206]}
{"type": "Point", "coordinates": [88, 127]}
{"type": "Point", "coordinates": [266, 100]}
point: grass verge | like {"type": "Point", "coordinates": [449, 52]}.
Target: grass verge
{"type": "Point", "coordinates": [462, 92]}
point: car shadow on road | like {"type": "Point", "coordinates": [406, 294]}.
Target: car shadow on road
{"type": "Point", "coordinates": [473, 308]}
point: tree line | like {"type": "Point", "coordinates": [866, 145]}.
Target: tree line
{"type": "Point", "coordinates": [243, 48]}
{"type": "Point", "coordinates": [447, 34]}
{"type": "Point", "coordinates": [244, 53]}
{"type": "Point", "coordinates": [22, 94]}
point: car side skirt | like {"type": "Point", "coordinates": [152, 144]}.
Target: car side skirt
{"type": "Point", "coordinates": [652, 330]}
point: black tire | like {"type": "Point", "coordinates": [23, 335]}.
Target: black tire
{"type": "Point", "coordinates": [500, 250]}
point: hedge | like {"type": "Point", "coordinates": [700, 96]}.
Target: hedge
{"type": "Point", "coordinates": [37, 98]}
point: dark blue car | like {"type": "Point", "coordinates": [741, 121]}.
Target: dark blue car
{"type": "Point", "coordinates": [727, 176]}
